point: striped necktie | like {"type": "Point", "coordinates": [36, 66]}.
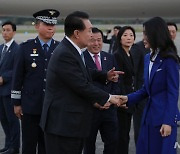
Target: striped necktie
{"type": "Point", "coordinates": [3, 52]}
{"type": "Point", "coordinates": [96, 57]}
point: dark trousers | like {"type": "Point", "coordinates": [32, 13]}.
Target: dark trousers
{"type": "Point", "coordinates": [56, 144]}
{"type": "Point", "coordinates": [32, 135]}
{"type": "Point", "coordinates": [106, 123]}
{"type": "Point", "coordinates": [124, 121]}
{"type": "Point", "coordinates": [9, 122]}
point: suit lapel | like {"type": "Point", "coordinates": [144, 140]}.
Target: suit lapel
{"type": "Point", "coordinates": [156, 65]}
{"type": "Point", "coordinates": [1, 48]}
{"type": "Point", "coordinates": [146, 71]}
{"type": "Point", "coordinates": [127, 61]}
{"type": "Point", "coordinates": [7, 53]}
{"type": "Point", "coordinates": [78, 57]}
{"type": "Point", "coordinates": [103, 61]}
{"type": "Point", "coordinates": [89, 61]}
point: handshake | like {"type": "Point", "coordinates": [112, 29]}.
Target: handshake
{"type": "Point", "coordinates": [118, 100]}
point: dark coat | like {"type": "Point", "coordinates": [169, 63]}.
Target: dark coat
{"type": "Point", "coordinates": [138, 52]}
{"type": "Point", "coordinates": [107, 63]}
{"type": "Point", "coordinates": [6, 68]}
{"type": "Point", "coordinates": [70, 94]}
{"type": "Point", "coordinates": [29, 77]}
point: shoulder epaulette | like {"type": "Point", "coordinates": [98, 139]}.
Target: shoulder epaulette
{"type": "Point", "coordinates": [28, 41]}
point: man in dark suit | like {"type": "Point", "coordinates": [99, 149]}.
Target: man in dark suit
{"type": "Point", "coordinates": [29, 80]}
{"type": "Point", "coordinates": [104, 120]}
{"type": "Point", "coordinates": [70, 94]}
{"type": "Point", "coordinates": [172, 27]}
{"type": "Point", "coordinates": [112, 41]}
{"type": "Point", "coordinates": [9, 121]}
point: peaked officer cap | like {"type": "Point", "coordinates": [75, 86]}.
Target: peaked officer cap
{"type": "Point", "coordinates": [48, 16]}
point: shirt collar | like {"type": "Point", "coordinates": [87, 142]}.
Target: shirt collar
{"type": "Point", "coordinates": [92, 55]}
{"type": "Point", "coordinates": [77, 48]}
{"type": "Point", "coordinates": [8, 44]}
{"type": "Point", "coordinates": [155, 55]}
{"type": "Point", "coordinates": [42, 42]}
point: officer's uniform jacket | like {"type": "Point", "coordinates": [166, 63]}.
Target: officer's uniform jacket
{"type": "Point", "coordinates": [29, 76]}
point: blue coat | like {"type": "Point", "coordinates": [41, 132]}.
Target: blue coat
{"type": "Point", "coordinates": [162, 90]}
{"type": "Point", "coordinates": [29, 76]}
{"type": "Point", "coordinates": [6, 68]}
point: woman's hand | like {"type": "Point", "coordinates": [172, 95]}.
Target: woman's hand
{"type": "Point", "coordinates": [165, 130]}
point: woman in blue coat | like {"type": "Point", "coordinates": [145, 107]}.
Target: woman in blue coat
{"type": "Point", "coordinates": [161, 86]}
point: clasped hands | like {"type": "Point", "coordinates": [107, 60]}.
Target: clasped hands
{"type": "Point", "coordinates": [118, 100]}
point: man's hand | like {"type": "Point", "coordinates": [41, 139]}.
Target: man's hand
{"type": "Point", "coordinates": [100, 107]}
{"type": "Point", "coordinates": [18, 111]}
{"type": "Point", "coordinates": [165, 130]}
{"type": "Point", "coordinates": [116, 100]}
{"type": "Point", "coordinates": [106, 106]}
{"type": "Point", "coordinates": [1, 80]}
{"type": "Point", "coordinates": [113, 75]}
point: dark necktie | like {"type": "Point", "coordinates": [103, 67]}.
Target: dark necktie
{"type": "Point", "coordinates": [3, 52]}
{"type": "Point", "coordinates": [97, 62]}
{"type": "Point", "coordinates": [45, 46]}
{"type": "Point", "coordinates": [82, 57]}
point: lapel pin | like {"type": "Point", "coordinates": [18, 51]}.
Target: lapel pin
{"type": "Point", "coordinates": [34, 51]}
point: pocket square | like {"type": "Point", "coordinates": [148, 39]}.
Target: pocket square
{"type": "Point", "coordinates": [158, 70]}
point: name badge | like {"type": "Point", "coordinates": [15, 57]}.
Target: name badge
{"type": "Point", "coordinates": [34, 55]}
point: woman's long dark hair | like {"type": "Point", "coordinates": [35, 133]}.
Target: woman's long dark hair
{"type": "Point", "coordinates": [159, 38]}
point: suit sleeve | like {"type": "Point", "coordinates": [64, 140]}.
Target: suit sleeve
{"type": "Point", "coordinates": [137, 96]}
{"type": "Point", "coordinates": [105, 40]}
{"type": "Point", "coordinates": [100, 76]}
{"type": "Point", "coordinates": [172, 69]}
{"type": "Point", "coordinates": [70, 72]}
{"type": "Point", "coordinates": [7, 76]}
{"type": "Point", "coordinates": [17, 78]}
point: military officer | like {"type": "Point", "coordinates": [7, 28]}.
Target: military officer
{"type": "Point", "coordinates": [29, 80]}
